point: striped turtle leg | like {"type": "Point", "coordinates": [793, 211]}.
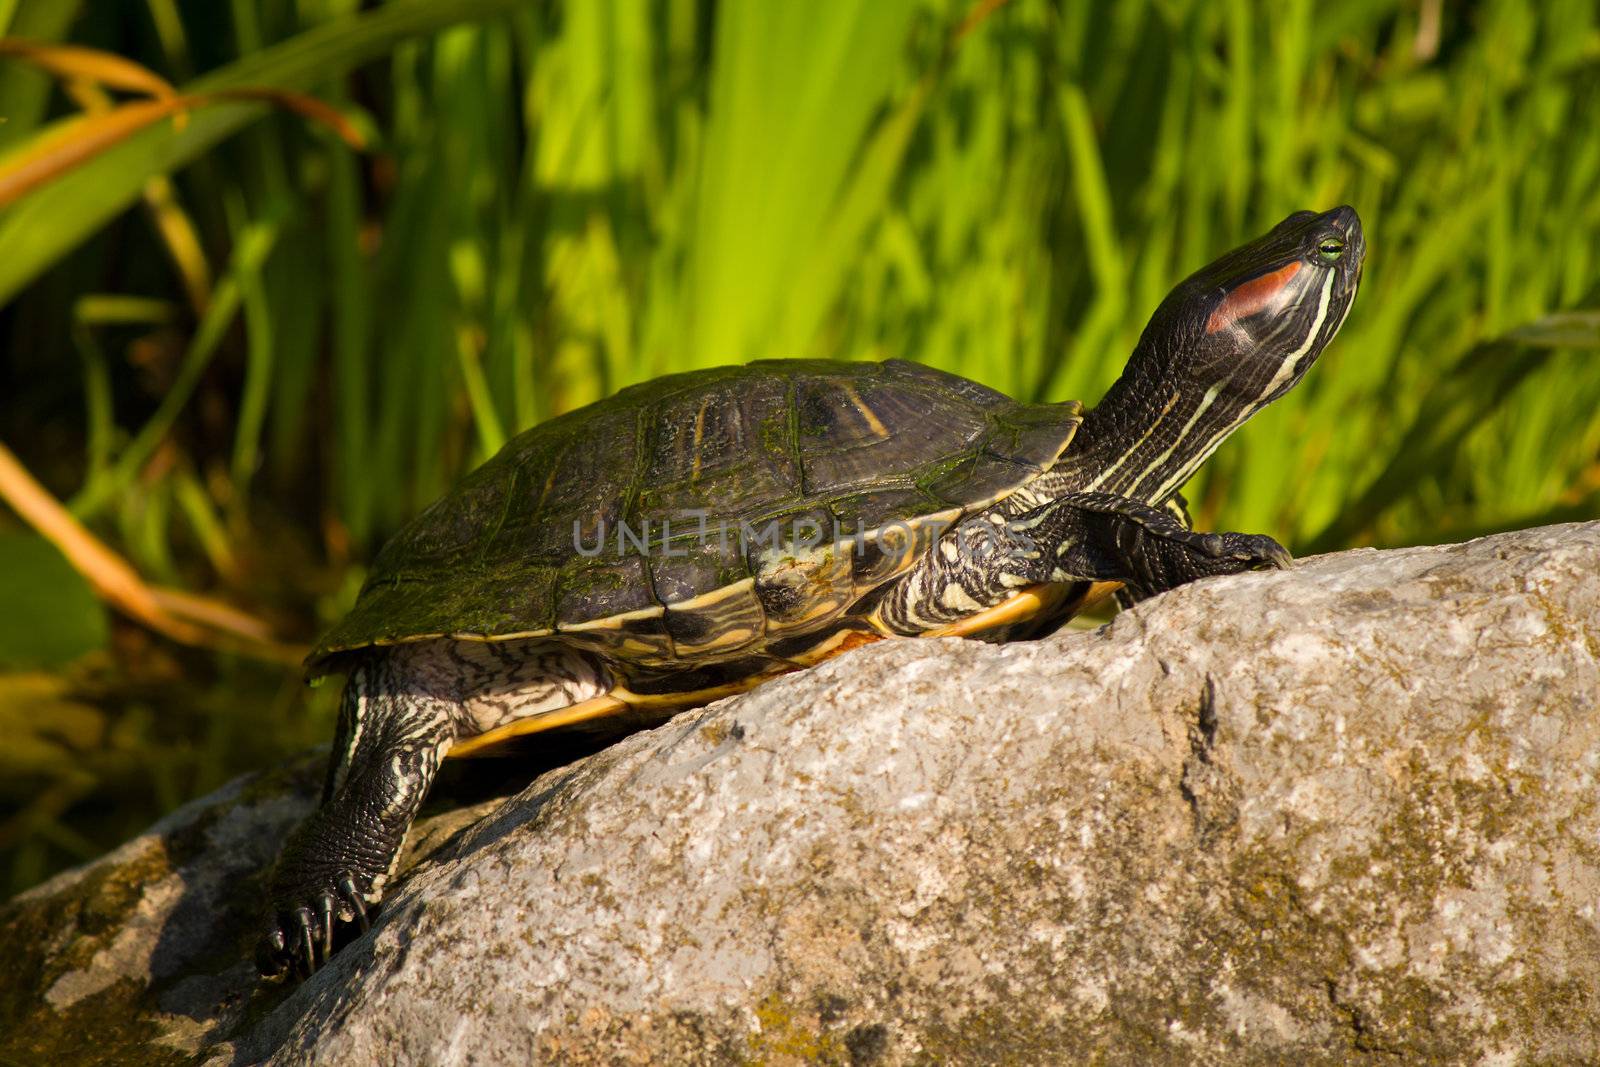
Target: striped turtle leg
{"type": "Point", "coordinates": [1104, 537]}
{"type": "Point", "coordinates": [390, 739]}
{"type": "Point", "coordinates": [1076, 537]}
{"type": "Point", "coordinates": [1178, 508]}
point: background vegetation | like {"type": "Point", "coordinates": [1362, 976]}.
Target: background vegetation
{"type": "Point", "coordinates": [237, 351]}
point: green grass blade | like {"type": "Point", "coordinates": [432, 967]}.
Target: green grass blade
{"type": "Point", "coordinates": [258, 379]}
{"type": "Point", "coordinates": [255, 244]}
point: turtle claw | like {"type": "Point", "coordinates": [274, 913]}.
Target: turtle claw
{"type": "Point", "coordinates": [324, 919]}
{"type": "Point", "coordinates": [272, 954]}
{"type": "Point", "coordinates": [303, 939]}
{"type": "Point", "coordinates": [351, 898]}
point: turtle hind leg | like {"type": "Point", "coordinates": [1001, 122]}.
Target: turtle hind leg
{"type": "Point", "coordinates": [335, 864]}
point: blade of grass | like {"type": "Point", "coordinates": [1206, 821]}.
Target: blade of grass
{"type": "Point", "coordinates": [351, 321]}
{"type": "Point", "coordinates": [259, 341]}
{"type": "Point", "coordinates": [255, 244]}
{"type": "Point", "coordinates": [169, 28]}
{"type": "Point", "coordinates": [99, 425]}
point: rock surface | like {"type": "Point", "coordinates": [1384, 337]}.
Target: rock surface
{"type": "Point", "coordinates": [1341, 814]}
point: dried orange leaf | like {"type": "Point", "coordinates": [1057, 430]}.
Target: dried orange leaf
{"type": "Point", "coordinates": [184, 617]}
{"type": "Point", "coordinates": [76, 143]}
{"type": "Point", "coordinates": [112, 577]}
{"type": "Point", "coordinates": [88, 64]}
{"type": "Point", "coordinates": [301, 104]}
{"type": "Point", "coordinates": [182, 240]}
{"type": "Point", "coordinates": [79, 141]}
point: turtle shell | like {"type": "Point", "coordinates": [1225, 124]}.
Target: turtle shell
{"type": "Point", "coordinates": [706, 516]}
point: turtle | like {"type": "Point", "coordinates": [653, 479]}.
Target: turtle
{"type": "Point", "coordinates": [693, 536]}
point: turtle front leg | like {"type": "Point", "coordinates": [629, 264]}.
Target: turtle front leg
{"type": "Point", "coordinates": [336, 863]}
{"type": "Point", "coordinates": [1102, 537]}
{"type": "Point", "coordinates": [1178, 508]}
{"type": "Point", "coordinates": [1094, 537]}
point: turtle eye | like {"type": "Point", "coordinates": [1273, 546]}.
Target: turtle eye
{"type": "Point", "coordinates": [1329, 249]}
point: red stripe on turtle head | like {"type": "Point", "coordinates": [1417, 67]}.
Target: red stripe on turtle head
{"type": "Point", "coordinates": [1253, 296]}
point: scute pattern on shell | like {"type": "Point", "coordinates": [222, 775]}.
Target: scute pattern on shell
{"type": "Point", "coordinates": [857, 446]}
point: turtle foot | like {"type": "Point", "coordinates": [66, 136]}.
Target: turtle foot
{"type": "Point", "coordinates": [330, 875]}
{"type": "Point", "coordinates": [300, 936]}
{"type": "Point", "coordinates": [1254, 551]}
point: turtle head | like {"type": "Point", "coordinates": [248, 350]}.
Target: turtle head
{"type": "Point", "coordinates": [1230, 339]}
{"type": "Point", "coordinates": [1250, 324]}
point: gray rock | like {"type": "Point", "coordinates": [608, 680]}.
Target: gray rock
{"type": "Point", "coordinates": [1340, 814]}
